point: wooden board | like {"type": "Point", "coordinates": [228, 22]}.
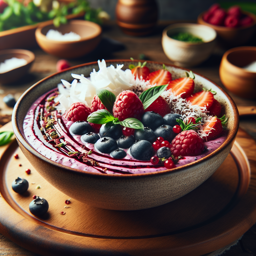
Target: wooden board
{"type": "Point", "coordinates": [211, 217]}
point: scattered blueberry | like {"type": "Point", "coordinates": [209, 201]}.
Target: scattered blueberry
{"type": "Point", "coordinates": [80, 128]}
{"type": "Point", "coordinates": [39, 206]}
{"type": "Point", "coordinates": [90, 137]}
{"type": "Point", "coordinates": [165, 131]}
{"type": "Point", "coordinates": [142, 150]}
{"type": "Point", "coordinates": [152, 120]}
{"type": "Point", "coordinates": [170, 119]}
{"type": "Point", "coordinates": [145, 134]}
{"type": "Point", "coordinates": [118, 154]}
{"type": "Point", "coordinates": [163, 152]}
{"type": "Point", "coordinates": [111, 130]}
{"type": "Point", "coordinates": [125, 141]}
{"type": "Point", "coordinates": [9, 100]}
{"type": "Point", "coordinates": [20, 185]}
{"type": "Point", "coordinates": [106, 145]}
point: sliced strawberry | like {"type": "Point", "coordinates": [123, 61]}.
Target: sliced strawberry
{"type": "Point", "coordinates": [202, 99]}
{"type": "Point", "coordinates": [183, 86]}
{"type": "Point", "coordinates": [213, 128]}
{"type": "Point", "coordinates": [140, 71]}
{"type": "Point", "coordinates": [160, 77]}
{"type": "Point", "coordinates": [215, 109]}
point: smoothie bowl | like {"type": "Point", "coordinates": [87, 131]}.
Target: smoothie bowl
{"type": "Point", "coordinates": [123, 135]}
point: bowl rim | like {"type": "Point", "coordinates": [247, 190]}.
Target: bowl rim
{"type": "Point", "coordinates": [177, 25]}
{"type": "Point", "coordinates": [97, 33]}
{"type": "Point", "coordinates": [237, 49]}
{"type": "Point", "coordinates": [28, 147]}
{"type": "Point", "coordinates": [200, 20]}
{"type": "Point", "coordinates": [28, 53]}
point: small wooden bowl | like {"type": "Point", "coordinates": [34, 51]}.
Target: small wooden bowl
{"type": "Point", "coordinates": [230, 37]}
{"type": "Point", "coordinates": [15, 74]}
{"type": "Point", "coordinates": [236, 79]}
{"type": "Point", "coordinates": [89, 32]}
{"type": "Point", "coordinates": [187, 54]}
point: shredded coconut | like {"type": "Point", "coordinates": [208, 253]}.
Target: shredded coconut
{"type": "Point", "coordinates": [10, 64]}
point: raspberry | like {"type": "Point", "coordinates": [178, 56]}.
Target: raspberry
{"type": "Point", "coordinates": [231, 21]}
{"type": "Point", "coordinates": [216, 21]}
{"type": "Point", "coordinates": [77, 112]}
{"type": "Point", "coordinates": [187, 143]}
{"type": "Point", "coordinates": [246, 21]}
{"type": "Point", "coordinates": [207, 16]}
{"type": "Point", "coordinates": [159, 106]}
{"type": "Point", "coordinates": [97, 104]}
{"type": "Point", "coordinates": [62, 64]}
{"type": "Point", "coordinates": [213, 8]}
{"type": "Point", "coordinates": [96, 127]}
{"type": "Point", "coordinates": [127, 105]}
{"type": "Point", "coordinates": [3, 5]}
{"type": "Point", "coordinates": [235, 11]}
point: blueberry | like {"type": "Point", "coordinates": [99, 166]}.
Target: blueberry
{"type": "Point", "coordinates": [166, 132]}
{"type": "Point", "coordinates": [125, 141]}
{"type": "Point", "coordinates": [145, 134]}
{"type": "Point", "coordinates": [163, 152]}
{"type": "Point", "coordinates": [80, 128]}
{"type": "Point", "coordinates": [39, 206]}
{"type": "Point", "coordinates": [118, 153]}
{"type": "Point", "coordinates": [152, 120]}
{"type": "Point", "coordinates": [111, 130]}
{"type": "Point", "coordinates": [106, 145]}
{"type": "Point", "coordinates": [20, 185]}
{"type": "Point", "coordinates": [90, 137]}
{"type": "Point", "coordinates": [9, 100]}
{"type": "Point", "coordinates": [170, 119]}
{"type": "Point", "coordinates": [142, 150]}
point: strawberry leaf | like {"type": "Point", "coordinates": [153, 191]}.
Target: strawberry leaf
{"type": "Point", "coordinates": [132, 123]}
{"type": "Point", "coordinates": [101, 116]}
{"type": "Point", "coordinates": [150, 95]}
{"type": "Point", "coordinates": [107, 98]}
{"type": "Point", "coordinates": [5, 137]}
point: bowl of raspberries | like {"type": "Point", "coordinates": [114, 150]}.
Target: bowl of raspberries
{"type": "Point", "coordinates": [125, 135]}
{"type": "Point", "coordinates": [234, 26]}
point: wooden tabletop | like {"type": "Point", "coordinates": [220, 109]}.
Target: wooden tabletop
{"type": "Point", "coordinates": [151, 47]}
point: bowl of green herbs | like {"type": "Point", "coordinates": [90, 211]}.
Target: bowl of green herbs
{"type": "Point", "coordinates": [187, 44]}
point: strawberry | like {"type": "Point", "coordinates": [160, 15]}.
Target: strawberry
{"type": "Point", "coordinates": [202, 99]}
{"type": "Point", "coordinates": [140, 71]}
{"type": "Point", "coordinates": [97, 104]}
{"type": "Point", "coordinates": [77, 112]}
{"type": "Point", "coordinates": [182, 86]}
{"type": "Point", "coordinates": [159, 106]}
{"type": "Point", "coordinates": [160, 77]}
{"type": "Point", "coordinates": [127, 105]}
{"type": "Point", "coordinates": [215, 109]}
{"type": "Point", "coordinates": [62, 64]}
{"type": "Point", "coordinates": [187, 143]}
{"type": "Point", "coordinates": [212, 129]}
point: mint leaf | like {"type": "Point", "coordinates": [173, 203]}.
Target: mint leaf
{"type": "Point", "coordinates": [150, 95]}
{"type": "Point", "coordinates": [100, 117]}
{"type": "Point", "coordinates": [5, 137]}
{"type": "Point", "coordinates": [107, 98]}
{"type": "Point", "coordinates": [132, 123]}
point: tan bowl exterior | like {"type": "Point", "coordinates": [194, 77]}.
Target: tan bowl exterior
{"type": "Point", "coordinates": [89, 32]}
{"type": "Point", "coordinates": [232, 36]}
{"type": "Point", "coordinates": [123, 192]}
{"type": "Point", "coordinates": [236, 79]}
{"type": "Point", "coordinates": [187, 54]}
{"type": "Point", "coordinates": [17, 73]}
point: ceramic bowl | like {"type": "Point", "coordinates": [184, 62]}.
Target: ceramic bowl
{"type": "Point", "coordinates": [233, 74]}
{"type": "Point", "coordinates": [230, 37]}
{"type": "Point", "coordinates": [89, 32]}
{"type": "Point", "coordinates": [126, 191]}
{"type": "Point", "coordinates": [17, 73]}
{"type": "Point", "coordinates": [187, 54]}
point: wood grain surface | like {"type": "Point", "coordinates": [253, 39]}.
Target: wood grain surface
{"type": "Point", "coordinates": [125, 48]}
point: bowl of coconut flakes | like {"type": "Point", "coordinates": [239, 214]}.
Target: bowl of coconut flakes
{"type": "Point", "coordinates": [72, 40]}
{"type": "Point", "coordinates": [14, 64]}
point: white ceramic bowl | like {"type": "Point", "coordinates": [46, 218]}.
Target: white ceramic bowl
{"type": "Point", "coordinates": [187, 54]}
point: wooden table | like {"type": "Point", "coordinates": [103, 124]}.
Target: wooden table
{"type": "Point", "coordinates": [150, 46]}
